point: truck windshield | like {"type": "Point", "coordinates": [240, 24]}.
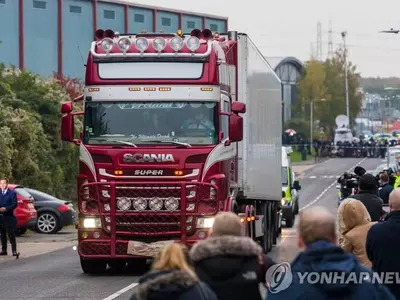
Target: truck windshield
{"type": "Point", "coordinates": [123, 122]}
{"type": "Point", "coordinates": [284, 176]}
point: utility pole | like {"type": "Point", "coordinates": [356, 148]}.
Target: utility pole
{"type": "Point", "coordinates": [344, 33]}
{"type": "Point", "coordinates": [311, 122]}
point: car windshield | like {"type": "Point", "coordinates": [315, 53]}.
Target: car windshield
{"type": "Point", "coordinates": [194, 123]}
{"type": "Point", "coordinates": [284, 176]}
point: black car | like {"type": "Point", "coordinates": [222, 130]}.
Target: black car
{"type": "Point", "coordinates": [52, 213]}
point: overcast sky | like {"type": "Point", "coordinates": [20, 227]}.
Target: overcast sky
{"type": "Point", "coordinates": [287, 28]}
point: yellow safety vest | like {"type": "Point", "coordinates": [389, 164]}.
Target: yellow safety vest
{"type": "Point", "coordinates": [397, 182]}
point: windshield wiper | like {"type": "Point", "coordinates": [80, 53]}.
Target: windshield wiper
{"type": "Point", "coordinates": [117, 141]}
{"type": "Point", "coordinates": [171, 142]}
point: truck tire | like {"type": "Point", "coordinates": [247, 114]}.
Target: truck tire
{"type": "Point", "coordinates": [93, 266]}
{"type": "Point", "coordinates": [290, 221]}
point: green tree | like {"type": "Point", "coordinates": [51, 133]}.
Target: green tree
{"type": "Point", "coordinates": [324, 83]}
{"type": "Point", "coordinates": [32, 153]}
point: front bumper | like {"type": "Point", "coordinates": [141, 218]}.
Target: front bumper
{"type": "Point", "coordinates": [134, 233]}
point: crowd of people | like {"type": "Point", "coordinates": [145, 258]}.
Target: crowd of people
{"type": "Point", "coordinates": [357, 243]}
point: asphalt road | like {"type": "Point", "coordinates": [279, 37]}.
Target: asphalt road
{"type": "Point", "coordinates": [57, 275]}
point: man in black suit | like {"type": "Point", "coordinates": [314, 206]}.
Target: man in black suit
{"type": "Point", "coordinates": [8, 222]}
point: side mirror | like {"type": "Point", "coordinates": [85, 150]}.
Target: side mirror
{"type": "Point", "coordinates": [235, 128]}
{"type": "Point", "coordinates": [296, 185]}
{"type": "Point", "coordinates": [67, 128]}
{"type": "Point", "coordinates": [66, 107]}
{"type": "Point", "coordinates": [238, 107]}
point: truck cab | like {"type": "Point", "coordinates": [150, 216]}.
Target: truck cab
{"type": "Point", "coordinates": [290, 189]}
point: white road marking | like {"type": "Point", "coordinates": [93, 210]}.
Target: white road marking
{"type": "Point", "coordinates": [121, 291]}
{"type": "Point", "coordinates": [312, 177]}
{"type": "Point", "coordinates": [330, 186]}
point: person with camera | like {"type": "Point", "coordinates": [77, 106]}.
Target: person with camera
{"type": "Point", "coordinates": [368, 195]}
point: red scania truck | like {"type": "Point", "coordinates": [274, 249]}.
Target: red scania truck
{"type": "Point", "coordinates": [176, 127]}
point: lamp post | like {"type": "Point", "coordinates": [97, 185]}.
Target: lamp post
{"type": "Point", "coordinates": [344, 33]}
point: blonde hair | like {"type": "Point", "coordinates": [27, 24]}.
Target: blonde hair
{"type": "Point", "coordinates": [172, 257]}
{"type": "Point", "coordinates": [227, 223]}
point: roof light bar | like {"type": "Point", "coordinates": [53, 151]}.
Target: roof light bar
{"type": "Point", "coordinates": [142, 44]}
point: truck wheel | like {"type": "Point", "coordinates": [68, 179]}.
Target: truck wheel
{"type": "Point", "coordinates": [93, 266]}
{"type": "Point", "coordinates": [289, 221]}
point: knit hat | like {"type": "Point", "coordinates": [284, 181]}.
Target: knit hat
{"type": "Point", "coordinates": [368, 182]}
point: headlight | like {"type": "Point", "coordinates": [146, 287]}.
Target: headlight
{"type": "Point", "coordinates": [91, 223]}
{"type": "Point", "coordinates": [159, 44]}
{"type": "Point", "coordinates": [142, 44]}
{"type": "Point", "coordinates": [205, 222]}
{"type": "Point", "coordinates": [172, 204]}
{"type": "Point", "coordinates": [193, 43]}
{"type": "Point", "coordinates": [124, 204]}
{"type": "Point", "coordinates": [139, 204]}
{"type": "Point", "coordinates": [107, 44]}
{"type": "Point", "coordinates": [156, 204]}
{"type": "Point", "coordinates": [176, 43]}
{"type": "Point", "coordinates": [284, 202]}
{"type": "Point", "coordinates": [124, 44]}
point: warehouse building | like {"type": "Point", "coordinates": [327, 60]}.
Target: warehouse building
{"type": "Point", "coordinates": [289, 70]}
{"type": "Point", "coordinates": [46, 36]}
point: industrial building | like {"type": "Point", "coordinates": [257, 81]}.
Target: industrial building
{"type": "Point", "coordinates": [289, 70]}
{"type": "Point", "coordinates": [46, 36]}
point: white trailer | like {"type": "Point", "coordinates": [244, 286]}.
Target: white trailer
{"type": "Point", "coordinates": [260, 152]}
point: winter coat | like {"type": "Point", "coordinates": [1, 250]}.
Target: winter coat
{"type": "Point", "coordinates": [232, 266]}
{"type": "Point", "coordinates": [372, 202]}
{"type": "Point", "coordinates": [355, 222]}
{"type": "Point", "coordinates": [171, 285]}
{"type": "Point", "coordinates": [383, 248]}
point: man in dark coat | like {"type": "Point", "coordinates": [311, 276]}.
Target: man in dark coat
{"type": "Point", "coordinates": [322, 270]}
{"type": "Point", "coordinates": [368, 195]}
{"type": "Point", "coordinates": [233, 265]}
{"type": "Point", "coordinates": [383, 243]}
{"type": "Point", "coordinates": [8, 222]}
{"type": "Point", "coordinates": [386, 189]}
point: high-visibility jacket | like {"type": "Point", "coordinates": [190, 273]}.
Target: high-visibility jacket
{"type": "Point", "coordinates": [397, 182]}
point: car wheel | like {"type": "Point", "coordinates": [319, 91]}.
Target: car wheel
{"type": "Point", "coordinates": [47, 223]}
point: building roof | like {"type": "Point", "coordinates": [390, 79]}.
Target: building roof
{"type": "Point", "coordinates": [190, 13]}
{"type": "Point", "coordinates": [276, 62]}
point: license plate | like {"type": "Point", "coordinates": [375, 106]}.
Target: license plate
{"type": "Point", "coordinates": [146, 249]}
{"type": "Point", "coordinates": [30, 205]}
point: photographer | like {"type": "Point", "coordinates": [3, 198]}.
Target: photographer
{"type": "Point", "coordinates": [368, 195]}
